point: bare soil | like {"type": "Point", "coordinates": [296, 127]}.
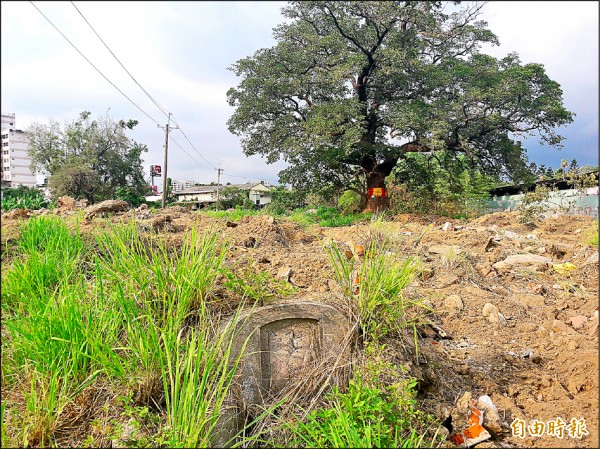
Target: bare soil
{"type": "Point", "coordinates": [534, 362]}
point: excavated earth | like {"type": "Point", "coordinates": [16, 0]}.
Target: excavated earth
{"type": "Point", "coordinates": [533, 351]}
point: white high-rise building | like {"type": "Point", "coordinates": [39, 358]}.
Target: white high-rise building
{"type": "Point", "coordinates": [178, 186]}
{"type": "Point", "coordinates": [15, 161]}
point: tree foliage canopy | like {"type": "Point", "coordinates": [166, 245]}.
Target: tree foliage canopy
{"type": "Point", "coordinates": [352, 87]}
{"type": "Point", "coordinates": [91, 159]}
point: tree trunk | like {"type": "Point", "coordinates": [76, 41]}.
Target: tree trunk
{"type": "Point", "coordinates": [377, 199]}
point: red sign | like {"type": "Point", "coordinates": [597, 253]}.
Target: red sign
{"type": "Point", "coordinates": [155, 170]}
{"type": "Point", "coordinates": [377, 191]}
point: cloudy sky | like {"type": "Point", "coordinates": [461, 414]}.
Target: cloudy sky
{"type": "Point", "coordinates": [178, 52]}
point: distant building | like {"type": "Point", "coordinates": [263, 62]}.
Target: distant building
{"type": "Point", "coordinates": [15, 161]}
{"type": "Point", "coordinates": [199, 197]}
{"type": "Point", "coordinates": [178, 186]}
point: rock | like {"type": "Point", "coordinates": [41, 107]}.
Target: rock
{"type": "Point", "coordinates": [17, 213]}
{"type": "Point", "coordinates": [447, 226]}
{"type": "Point", "coordinates": [592, 260]}
{"type": "Point", "coordinates": [106, 206]}
{"type": "Point", "coordinates": [531, 300]}
{"type": "Point", "coordinates": [66, 202]}
{"type": "Point", "coordinates": [269, 219]}
{"type": "Point", "coordinates": [535, 261]}
{"type": "Point", "coordinates": [444, 250]}
{"type": "Point", "coordinates": [578, 321]}
{"type": "Point", "coordinates": [484, 270]}
{"type": "Point", "coordinates": [231, 224]}
{"type": "Point", "coordinates": [465, 401]}
{"type": "Point", "coordinates": [491, 242]}
{"type": "Point", "coordinates": [559, 326]}
{"type": "Point", "coordinates": [490, 311]}
{"type": "Point", "coordinates": [511, 235]}
{"type": "Point", "coordinates": [161, 221]}
{"type": "Point", "coordinates": [285, 273]}
{"type": "Point", "coordinates": [491, 418]}
{"type": "Point", "coordinates": [454, 302]}
{"type": "Point", "coordinates": [446, 280]}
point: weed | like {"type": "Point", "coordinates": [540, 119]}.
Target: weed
{"type": "Point", "coordinates": [374, 287]}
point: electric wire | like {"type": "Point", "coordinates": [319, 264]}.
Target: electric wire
{"type": "Point", "coordinates": [96, 68]}
{"type": "Point", "coordinates": [194, 159]}
{"type": "Point", "coordinates": [162, 109]}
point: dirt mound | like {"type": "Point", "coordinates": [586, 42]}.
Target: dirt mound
{"type": "Point", "coordinates": [534, 351]}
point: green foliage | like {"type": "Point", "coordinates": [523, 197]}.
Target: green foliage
{"type": "Point", "coordinates": [350, 201]}
{"type": "Point", "coordinates": [88, 158]}
{"type": "Point", "coordinates": [370, 413]}
{"type": "Point", "coordinates": [130, 195]}
{"type": "Point", "coordinates": [23, 197]}
{"type": "Point", "coordinates": [256, 286]}
{"type": "Point", "coordinates": [443, 185]}
{"type": "Point", "coordinates": [534, 204]}
{"type": "Point", "coordinates": [283, 199]}
{"type": "Point", "coordinates": [234, 197]}
{"type": "Point", "coordinates": [374, 286]}
{"type": "Point", "coordinates": [345, 76]}
{"type": "Point", "coordinates": [330, 217]}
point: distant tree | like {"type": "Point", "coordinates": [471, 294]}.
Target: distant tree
{"type": "Point", "coordinates": [352, 87]}
{"type": "Point", "coordinates": [88, 158]}
{"type": "Point", "coordinates": [231, 196]}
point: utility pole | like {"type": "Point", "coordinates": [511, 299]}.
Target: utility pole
{"type": "Point", "coordinates": [219, 170]}
{"type": "Point", "coordinates": [167, 129]}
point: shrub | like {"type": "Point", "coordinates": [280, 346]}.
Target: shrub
{"type": "Point", "coordinates": [350, 202]}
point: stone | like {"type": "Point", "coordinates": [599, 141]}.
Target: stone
{"type": "Point", "coordinates": [285, 273]}
{"type": "Point", "coordinates": [490, 311]}
{"type": "Point", "coordinates": [491, 418]}
{"type": "Point", "coordinates": [511, 235]}
{"type": "Point", "coordinates": [447, 226]}
{"type": "Point", "coordinates": [444, 250]}
{"type": "Point", "coordinates": [578, 321]}
{"type": "Point", "coordinates": [534, 261]}
{"type": "Point", "coordinates": [559, 326]}
{"type": "Point", "coordinates": [278, 346]}
{"type": "Point", "coordinates": [454, 302]}
{"type": "Point", "coordinates": [446, 280]}
{"type": "Point", "coordinates": [106, 206]}
{"type": "Point", "coordinates": [531, 300]}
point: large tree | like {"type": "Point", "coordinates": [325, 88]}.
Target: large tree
{"type": "Point", "coordinates": [91, 159]}
{"type": "Point", "coordinates": [352, 87]}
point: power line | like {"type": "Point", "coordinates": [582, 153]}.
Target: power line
{"type": "Point", "coordinates": [98, 70]}
{"type": "Point", "coordinates": [189, 141]}
{"type": "Point", "coordinates": [195, 160]}
{"type": "Point", "coordinates": [162, 109]}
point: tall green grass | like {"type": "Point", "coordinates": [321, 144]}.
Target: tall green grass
{"type": "Point", "coordinates": [141, 320]}
{"type": "Point", "coordinates": [374, 287]}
